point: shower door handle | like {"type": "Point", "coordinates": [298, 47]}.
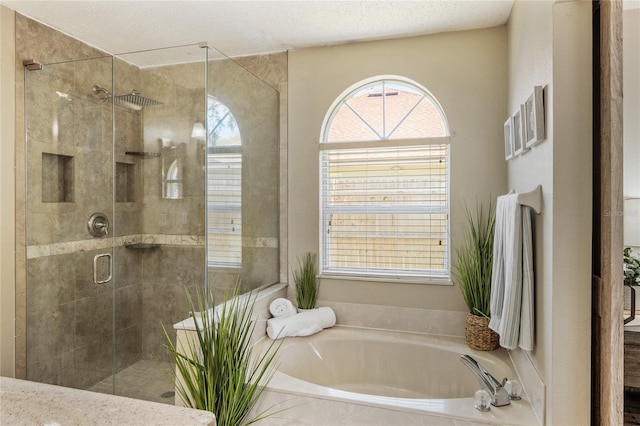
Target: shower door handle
{"type": "Point", "coordinates": [95, 268]}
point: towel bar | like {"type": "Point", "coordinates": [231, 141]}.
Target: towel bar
{"type": "Point", "coordinates": [532, 199]}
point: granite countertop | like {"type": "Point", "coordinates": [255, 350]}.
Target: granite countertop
{"type": "Point", "coordinates": [30, 403]}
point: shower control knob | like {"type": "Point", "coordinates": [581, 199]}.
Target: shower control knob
{"type": "Point", "coordinates": [98, 225]}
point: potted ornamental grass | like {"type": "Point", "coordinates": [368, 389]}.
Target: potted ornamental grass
{"type": "Point", "coordinates": [215, 370]}
{"type": "Point", "coordinates": [472, 273]}
{"type": "Point", "coordinates": [631, 279]}
{"type": "Point", "coordinates": [306, 282]}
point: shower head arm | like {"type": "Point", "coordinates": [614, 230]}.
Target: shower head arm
{"type": "Point", "coordinates": [97, 90]}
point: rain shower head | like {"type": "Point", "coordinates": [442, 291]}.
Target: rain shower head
{"type": "Point", "coordinates": [134, 98]}
{"type": "Point", "coordinates": [131, 100]}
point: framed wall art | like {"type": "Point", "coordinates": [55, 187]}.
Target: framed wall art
{"type": "Point", "coordinates": [534, 118]}
{"type": "Point", "coordinates": [518, 137]}
{"type": "Point", "coordinates": [508, 139]}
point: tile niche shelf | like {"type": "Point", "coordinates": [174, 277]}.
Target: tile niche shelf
{"type": "Point", "coordinates": [140, 246]}
{"type": "Point", "coordinates": [125, 182]}
{"type": "Point", "coordinates": [143, 154]}
{"type": "Point", "coordinates": [57, 178]}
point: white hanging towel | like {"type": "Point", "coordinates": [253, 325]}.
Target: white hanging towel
{"type": "Point", "coordinates": [512, 278]}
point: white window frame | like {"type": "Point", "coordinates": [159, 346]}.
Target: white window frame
{"type": "Point", "coordinates": [442, 276]}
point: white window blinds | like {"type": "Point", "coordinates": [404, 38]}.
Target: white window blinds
{"type": "Point", "coordinates": [385, 211]}
{"type": "Point", "coordinates": [224, 212]}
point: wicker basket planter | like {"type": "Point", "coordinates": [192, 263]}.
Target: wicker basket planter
{"type": "Point", "coordinates": [478, 334]}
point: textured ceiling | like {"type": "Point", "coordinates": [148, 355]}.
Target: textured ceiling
{"type": "Point", "coordinates": [240, 28]}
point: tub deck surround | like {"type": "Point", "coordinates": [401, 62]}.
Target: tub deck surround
{"type": "Point", "coordinates": [415, 320]}
{"type": "Point", "coordinates": [28, 403]}
{"type": "Point", "coordinates": [262, 298]}
{"type": "Point", "coordinates": [361, 376]}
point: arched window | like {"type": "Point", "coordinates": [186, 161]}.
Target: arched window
{"type": "Point", "coordinates": [173, 181]}
{"type": "Point", "coordinates": [384, 183]}
{"type": "Point", "coordinates": [224, 187]}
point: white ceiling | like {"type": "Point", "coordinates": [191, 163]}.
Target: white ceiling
{"type": "Point", "coordinates": [239, 28]}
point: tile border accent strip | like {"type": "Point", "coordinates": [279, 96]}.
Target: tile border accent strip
{"type": "Point", "coordinates": [68, 247]}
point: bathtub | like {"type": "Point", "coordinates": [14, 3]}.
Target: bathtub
{"type": "Point", "coordinates": [355, 376]}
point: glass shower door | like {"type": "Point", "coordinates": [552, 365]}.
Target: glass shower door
{"type": "Point", "coordinates": [70, 222]}
{"type": "Point", "coordinates": [110, 255]}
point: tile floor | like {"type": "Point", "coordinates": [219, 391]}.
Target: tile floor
{"type": "Point", "coordinates": [147, 380]}
{"type": "Point", "coordinates": [631, 407]}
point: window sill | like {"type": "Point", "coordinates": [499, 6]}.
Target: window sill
{"type": "Point", "coordinates": [390, 280]}
{"type": "Point", "coordinates": [225, 267]}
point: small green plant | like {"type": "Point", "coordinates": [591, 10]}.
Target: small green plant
{"type": "Point", "coordinates": [631, 268]}
{"type": "Point", "coordinates": [472, 272]}
{"type": "Point", "coordinates": [306, 282]}
{"type": "Point", "coordinates": [215, 370]}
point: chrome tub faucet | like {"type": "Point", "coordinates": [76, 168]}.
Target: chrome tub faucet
{"type": "Point", "coordinates": [499, 395]}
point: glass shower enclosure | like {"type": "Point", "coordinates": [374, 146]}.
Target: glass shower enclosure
{"type": "Point", "coordinates": [141, 188]}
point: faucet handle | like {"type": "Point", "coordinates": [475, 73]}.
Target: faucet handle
{"type": "Point", "coordinates": [482, 400]}
{"type": "Point", "coordinates": [514, 389]}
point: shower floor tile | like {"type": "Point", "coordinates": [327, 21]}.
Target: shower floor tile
{"type": "Point", "coordinates": [146, 380]}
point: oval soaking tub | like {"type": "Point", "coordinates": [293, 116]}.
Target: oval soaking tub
{"type": "Point", "coordinates": [353, 376]}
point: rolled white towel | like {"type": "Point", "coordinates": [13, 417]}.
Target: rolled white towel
{"type": "Point", "coordinates": [301, 324]}
{"type": "Point", "coordinates": [282, 308]}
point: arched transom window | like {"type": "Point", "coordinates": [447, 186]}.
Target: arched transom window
{"type": "Point", "coordinates": [384, 183]}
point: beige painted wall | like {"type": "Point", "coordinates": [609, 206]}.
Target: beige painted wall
{"type": "Point", "coordinates": [631, 84]}
{"type": "Point", "coordinates": [631, 87]}
{"type": "Point", "coordinates": [7, 192]}
{"type": "Point", "coordinates": [550, 45]}
{"type": "Point", "coordinates": [530, 56]}
{"type": "Point", "coordinates": [465, 71]}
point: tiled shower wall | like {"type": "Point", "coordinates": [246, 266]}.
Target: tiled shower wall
{"type": "Point", "coordinates": [69, 318]}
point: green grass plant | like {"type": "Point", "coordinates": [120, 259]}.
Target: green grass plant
{"type": "Point", "coordinates": [304, 277]}
{"type": "Point", "coordinates": [215, 370]}
{"type": "Point", "coordinates": [474, 259]}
